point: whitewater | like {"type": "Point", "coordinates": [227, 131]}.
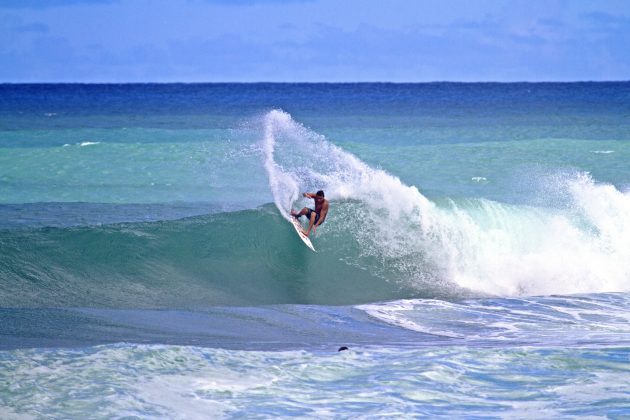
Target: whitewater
{"type": "Point", "coordinates": [474, 259]}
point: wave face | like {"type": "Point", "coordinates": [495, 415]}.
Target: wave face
{"type": "Point", "coordinates": [250, 257]}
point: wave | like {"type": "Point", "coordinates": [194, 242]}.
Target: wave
{"type": "Point", "coordinates": [581, 245]}
{"type": "Point", "coordinates": [253, 257]}
{"type": "Point", "coordinates": [383, 240]}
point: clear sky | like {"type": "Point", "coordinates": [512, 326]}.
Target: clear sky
{"type": "Point", "coordinates": [313, 40]}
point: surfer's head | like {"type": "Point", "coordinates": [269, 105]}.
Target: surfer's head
{"type": "Point", "coordinates": [320, 193]}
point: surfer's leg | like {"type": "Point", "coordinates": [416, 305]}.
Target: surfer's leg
{"type": "Point", "coordinates": [301, 213]}
{"type": "Point", "coordinates": [313, 217]}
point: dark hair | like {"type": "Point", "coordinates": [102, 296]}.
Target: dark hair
{"type": "Point", "coordinates": [320, 193]}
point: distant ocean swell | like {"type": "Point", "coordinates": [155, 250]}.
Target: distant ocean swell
{"type": "Point", "coordinates": [383, 240]}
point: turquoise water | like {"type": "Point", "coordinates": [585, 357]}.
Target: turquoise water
{"type": "Point", "coordinates": [474, 259]}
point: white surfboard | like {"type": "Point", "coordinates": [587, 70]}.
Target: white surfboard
{"type": "Point", "coordinates": [298, 228]}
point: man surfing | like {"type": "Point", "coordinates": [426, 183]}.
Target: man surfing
{"type": "Point", "coordinates": [316, 217]}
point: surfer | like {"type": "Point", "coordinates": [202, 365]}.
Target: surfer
{"type": "Point", "coordinates": [316, 217]}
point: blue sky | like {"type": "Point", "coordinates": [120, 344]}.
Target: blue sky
{"type": "Point", "coordinates": [313, 40]}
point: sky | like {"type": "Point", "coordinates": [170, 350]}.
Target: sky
{"type": "Point", "coordinates": [313, 40]}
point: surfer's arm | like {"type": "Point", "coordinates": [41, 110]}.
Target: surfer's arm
{"type": "Point", "coordinates": [308, 195]}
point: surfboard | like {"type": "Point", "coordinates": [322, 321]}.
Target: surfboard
{"type": "Point", "coordinates": [298, 228]}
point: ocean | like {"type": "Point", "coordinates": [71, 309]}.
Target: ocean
{"type": "Point", "coordinates": [475, 260]}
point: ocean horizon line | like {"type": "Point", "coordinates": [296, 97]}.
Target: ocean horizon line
{"type": "Point", "coordinates": [376, 82]}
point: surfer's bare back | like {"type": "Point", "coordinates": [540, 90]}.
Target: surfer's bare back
{"type": "Point", "coordinates": [316, 217]}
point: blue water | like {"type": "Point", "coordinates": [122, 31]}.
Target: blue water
{"type": "Point", "coordinates": [474, 261]}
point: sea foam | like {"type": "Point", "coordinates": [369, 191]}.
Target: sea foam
{"type": "Point", "coordinates": [480, 245]}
